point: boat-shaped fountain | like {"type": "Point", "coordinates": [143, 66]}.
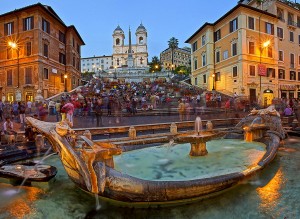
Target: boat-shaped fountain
{"type": "Point", "coordinates": [97, 168]}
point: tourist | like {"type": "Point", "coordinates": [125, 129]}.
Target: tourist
{"type": "Point", "coordinates": [42, 111]}
{"type": "Point", "coordinates": [29, 105]}
{"type": "Point", "coordinates": [8, 129]}
{"type": "Point", "coordinates": [69, 109]}
{"type": "Point", "coordinates": [1, 109]}
{"type": "Point", "coordinates": [22, 109]}
{"type": "Point", "coordinates": [181, 110]}
{"type": "Point", "coordinates": [288, 111]}
{"type": "Point", "coordinates": [98, 113]}
{"type": "Point", "coordinates": [57, 110]}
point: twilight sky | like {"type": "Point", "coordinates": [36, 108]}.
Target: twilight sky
{"type": "Point", "coordinates": [96, 20]}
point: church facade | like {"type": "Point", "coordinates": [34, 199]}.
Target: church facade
{"type": "Point", "coordinates": [132, 55]}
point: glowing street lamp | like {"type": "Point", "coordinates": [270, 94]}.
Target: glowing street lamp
{"type": "Point", "coordinates": [65, 77]}
{"type": "Point", "coordinates": [213, 76]}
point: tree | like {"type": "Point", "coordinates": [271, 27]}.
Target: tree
{"type": "Point", "coordinates": [173, 44]}
{"type": "Point", "coordinates": [182, 70]}
{"type": "Point", "coordinates": [155, 64]}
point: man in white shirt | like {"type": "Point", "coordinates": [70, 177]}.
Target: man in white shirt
{"type": "Point", "coordinates": [29, 105]}
{"type": "Point", "coordinates": [8, 128]}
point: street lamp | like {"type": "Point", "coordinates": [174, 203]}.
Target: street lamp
{"type": "Point", "coordinates": [65, 77]}
{"type": "Point", "coordinates": [213, 76]}
{"type": "Point", "coordinates": [262, 68]}
{"type": "Point", "coordinates": [14, 46]}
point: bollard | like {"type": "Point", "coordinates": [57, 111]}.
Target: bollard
{"type": "Point", "coordinates": [209, 126]}
{"type": "Point", "coordinates": [87, 134]}
{"type": "Point", "coordinates": [173, 128]}
{"type": "Point", "coordinates": [132, 132]}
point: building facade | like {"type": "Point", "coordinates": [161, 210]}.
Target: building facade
{"type": "Point", "coordinates": [37, 52]}
{"type": "Point", "coordinates": [96, 63]}
{"type": "Point", "coordinates": [181, 57]}
{"type": "Point", "coordinates": [139, 49]}
{"type": "Point", "coordinates": [251, 49]}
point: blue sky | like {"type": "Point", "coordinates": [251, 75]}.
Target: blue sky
{"type": "Point", "coordinates": [96, 20]}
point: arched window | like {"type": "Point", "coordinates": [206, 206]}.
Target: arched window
{"type": "Point", "coordinates": [117, 41]}
{"type": "Point", "coordinates": [118, 61]}
{"type": "Point", "coordinates": [141, 40]}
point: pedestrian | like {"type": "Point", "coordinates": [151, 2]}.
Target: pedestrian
{"type": "Point", "coordinates": [98, 113]}
{"type": "Point", "coordinates": [22, 110]}
{"type": "Point", "coordinates": [181, 110]}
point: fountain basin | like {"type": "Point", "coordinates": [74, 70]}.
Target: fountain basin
{"type": "Point", "coordinates": [198, 140]}
{"type": "Point", "coordinates": [95, 176]}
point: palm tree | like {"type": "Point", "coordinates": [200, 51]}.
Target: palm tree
{"type": "Point", "coordinates": [173, 44]}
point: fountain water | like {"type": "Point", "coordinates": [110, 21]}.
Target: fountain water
{"type": "Point", "coordinates": [198, 125]}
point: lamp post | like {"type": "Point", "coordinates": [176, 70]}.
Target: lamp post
{"type": "Point", "coordinates": [262, 68]}
{"type": "Point", "coordinates": [213, 76]}
{"type": "Point", "coordinates": [65, 77]}
{"type": "Point", "coordinates": [14, 46]}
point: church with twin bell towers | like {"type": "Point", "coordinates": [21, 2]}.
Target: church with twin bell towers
{"type": "Point", "coordinates": [132, 55]}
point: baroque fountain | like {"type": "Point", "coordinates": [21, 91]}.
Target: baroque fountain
{"type": "Point", "coordinates": [103, 168]}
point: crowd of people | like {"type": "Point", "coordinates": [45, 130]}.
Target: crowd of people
{"type": "Point", "coordinates": [104, 98]}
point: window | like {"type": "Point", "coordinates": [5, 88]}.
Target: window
{"type": "Point", "coordinates": [45, 51]}
{"type": "Point", "coordinates": [281, 74]}
{"type": "Point", "coordinates": [252, 70]}
{"type": "Point", "coordinates": [28, 23]}
{"type": "Point", "coordinates": [234, 49]}
{"type": "Point", "coordinates": [298, 76]}
{"type": "Point", "coordinates": [251, 48]}
{"type": "Point", "coordinates": [9, 53]}
{"type": "Point", "coordinates": [203, 40]}
{"type": "Point", "coordinates": [194, 47]}
{"type": "Point", "coordinates": [62, 58]}
{"type": "Point", "coordinates": [73, 42]}
{"type": "Point", "coordinates": [233, 25]}
{"type": "Point", "coordinates": [218, 76]}
{"type": "Point", "coordinates": [251, 23]}
{"type": "Point", "coordinates": [291, 36]}
{"type": "Point", "coordinates": [292, 60]}
{"type": "Point", "coordinates": [290, 19]}
{"type": "Point", "coordinates": [9, 78]}
{"type": "Point", "coordinates": [9, 29]}
{"type": "Point", "coordinates": [225, 54]}
{"type": "Point", "coordinates": [271, 72]}
{"type": "Point", "coordinates": [280, 55]}
{"type": "Point", "coordinates": [62, 78]}
{"type": "Point", "coordinates": [204, 79]}
{"type": "Point", "coordinates": [78, 48]}
{"type": "Point", "coordinates": [73, 61]}
{"type": "Point", "coordinates": [269, 28]}
{"type": "Point", "coordinates": [46, 73]}
{"type": "Point", "coordinates": [45, 26]}
{"type": "Point", "coordinates": [203, 59]}
{"type": "Point", "coordinates": [218, 56]}
{"type": "Point", "coordinates": [73, 80]}
{"type": "Point", "coordinates": [234, 71]}
{"type": "Point", "coordinates": [292, 75]}
{"type": "Point", "coordinates": [280, 32]}
{"type": "Point", "coordinates": [196, 81]}
{"type": "Point", "coordinates": [117, 41]}
{"type": "Point", "coordinates": [280, 14]}
{"type": "Point", "coordinates": [217, 35]}
{"type": "Point", "coordinates": [195, 64]}
{"type": "Point", "coordinates": [28, 49]}
{"type": "Point", "coordinates": [270, 52]}
{"type": "Point", "coordinates": [62, 37]}
{"type": "Point", "coordinates": [141, 40]}
{"type": "Point", "coordinates": [28, 75]}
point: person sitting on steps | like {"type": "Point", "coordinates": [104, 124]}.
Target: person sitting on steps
{"type": "Point", "coordinates": [9, 131]}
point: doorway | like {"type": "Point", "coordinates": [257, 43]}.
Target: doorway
{"type": "Point", "coordinates": [252, 93]}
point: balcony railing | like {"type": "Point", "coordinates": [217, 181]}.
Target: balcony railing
{"type": "Point", "coordinates": [292, 65]}
{"type": "Point", "coordinates": [292, 23]}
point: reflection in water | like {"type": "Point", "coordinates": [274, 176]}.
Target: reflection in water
{"type": "Point", "coordinates": [270, 193]}
{"type": "Point", "coordinates": [18, 203]}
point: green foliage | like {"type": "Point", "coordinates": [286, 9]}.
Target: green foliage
{"type": "Point", "coordinates": [182, 70]}
{"type": "Point", "coordinates": [87, 75]}
{"type": "Point", "coordinates": [155, 64]}
{"type": "Point", "coordinates": [173, 43]}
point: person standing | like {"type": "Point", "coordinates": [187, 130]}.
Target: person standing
{"type": "Point", "coordinates": [69, 108]}
{"type": "Point", "coordinates": [1, 109]}
{"type": "Point", "coordinates": [29, 105]}
{"type": "Point", "coordinates": [98, 112]}
{"type": "Point", "coordinates": [22, 109]}
{"type": "Point", "coordinates": [57, 109]}
{"type": "Point", "coordinates": [181, 110]}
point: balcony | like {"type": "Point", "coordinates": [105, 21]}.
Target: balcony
{"type": "Point", "coordinates": [292, 65]}
{"type": "Point", "coordinates": [292, 23]}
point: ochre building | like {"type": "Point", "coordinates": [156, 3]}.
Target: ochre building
{"type": "Point", "coordinates": [38, 51]}
{"type": "Point", "coordinates": [252, 49]}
